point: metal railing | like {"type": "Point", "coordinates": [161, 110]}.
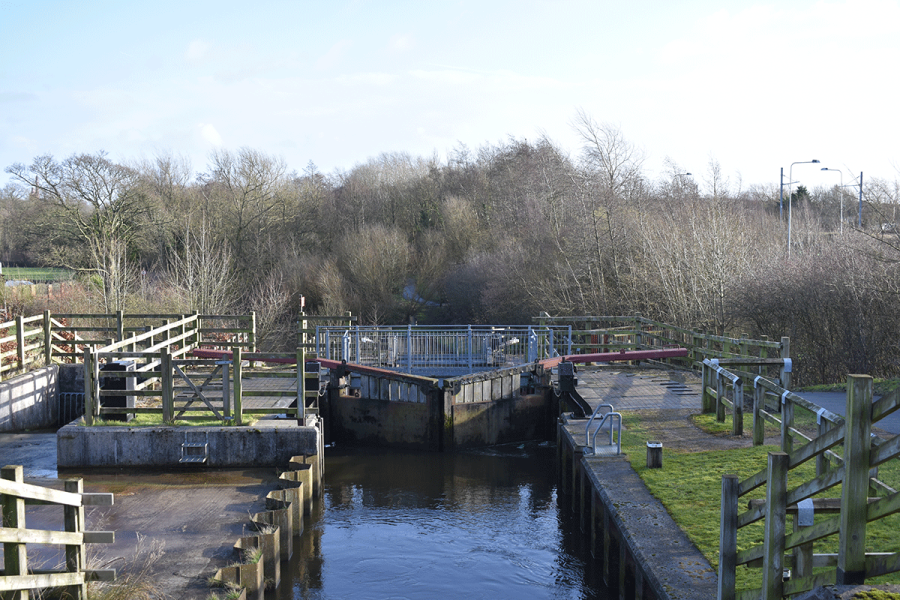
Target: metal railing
{"type": "Point", "coordinates": [445, 350]}
{"type": "Point", "coordinates": [610, 415]}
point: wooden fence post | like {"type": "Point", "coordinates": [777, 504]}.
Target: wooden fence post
{"type": "Point", "coordinates": [851, 568]}
{"type": "Point", "coordinates": [89, 384]}
{"type": "Point", "coordinates": [48, 340]}
{"type": "Point", "coordinates": [706, 399]}
{"type": "Point", "coordinates": [728, 537]}
{"type": "Point", "coordinates": [759, 423]}
{"type": "Point", "coordinates": [20, 341]}
{"type": "Point", "coordinates": [15, 558]}
{"type": "Point", "coordinates": [120, 326]}
{"type": "Point", "coordinates": [720, 393]}
{"type": "Point", "coordinates": [74, 523]}
{"type": "Point", "coordinates": [822, 462]}
{"type": "Point", "coordinates": [773, 538]}
{"type": "Point", "coordinates": [785, 353]}
{"type": "Point", "coordinates": [251, 338]}
{"type": "Point", "coordinates": [737, 415]}
{"type": "Point", "coordinates": [238, 399]}
{"type": "Point", "coordinates": [787, 422]}
{"type": "Point", "coordinates": [168, 385]}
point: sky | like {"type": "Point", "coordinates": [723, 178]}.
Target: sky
{"type": "Point", "coordinates": [753, 86]}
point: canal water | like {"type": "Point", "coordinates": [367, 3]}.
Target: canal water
{"type": "Point", "coordinates": [412, 525]}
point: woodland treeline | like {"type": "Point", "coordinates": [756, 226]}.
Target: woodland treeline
{"type": "Point", "coordinates": [489, 235]}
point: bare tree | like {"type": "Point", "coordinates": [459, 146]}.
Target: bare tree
{"type": "Point", "coordinates": [201, 272]}
{"type": "Point", "coordinates": [95, 207]}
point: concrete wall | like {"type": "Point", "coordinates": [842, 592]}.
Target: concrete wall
{"type": "Point", "coordinates": [466, 412]}
{"type": "Point", "coordinates": [505, 420]}
{"type": "Point", "coordinates": [80, 447]}
{"type": "Point", "coordinates": [394, 423]}
{"type": "Point", "coordinates": [29, 401]}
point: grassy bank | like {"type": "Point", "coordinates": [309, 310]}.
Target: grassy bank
{"type": "Point", "coordinates": [690, 483]}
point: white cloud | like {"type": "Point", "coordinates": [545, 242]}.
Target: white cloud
{"type": "Point", "coordinates": [209, 133]}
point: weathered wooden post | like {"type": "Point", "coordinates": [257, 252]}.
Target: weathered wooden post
{"type": "Point", "coordinates": [89, 384]}
{"type": "Point", "coordinates": [48, 339]}
{"type": "Point", "coordinates": [238, 399]}
{"type": "Point", "coordinates": [15, 558]}
{"type": "Point", "coordinates": [74, 523]}
{"type": "Point", "coordinates": [120, 326]}
{"type": "Point", "coordinates": [822, 462]}
{"type": "Point", "coordinates": [786, 368]}
{"type": "Point", "coordinates": [728, 523]}
{"type": "Point", "coordinates": [803, 554]}
{"type": "Point", "coordinates": [773, 537]}
{"type": "Point", "coordinates": [706, 400]}
{"type": "Point", "coordinates": [251, 337]}
{"type": "Point", "coordinates": [168, 385]}
{"type": "Point", "coordinates": [787, 422]}
{"type": "Point", "coordinates": [737, 415]}
{"type": "Point", "coordinates": [720, 393]}
{"type": "Point", "coordinates": [20, 341]}
{"type": "Point", "coordinates": [851, 568]}
{"type": "Point", "coordinates": [759, 403]}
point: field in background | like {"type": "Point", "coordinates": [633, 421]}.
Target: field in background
{"type": "Point", "coordinates": [37, 274]}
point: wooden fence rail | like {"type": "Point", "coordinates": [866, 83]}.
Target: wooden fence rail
{"type": "Point", "coordinates": [592, 334]}
{"type": "Point", "coordinates": [862, 453]}
{"type": "Point", "coordinates": [17, 578]}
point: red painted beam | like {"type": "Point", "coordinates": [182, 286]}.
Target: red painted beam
{"type": "Point", "coordinates": [328, 364]}
{"type": "Point", "coordinates": [617, 356]}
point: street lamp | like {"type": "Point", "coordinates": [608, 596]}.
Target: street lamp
{"type": "Point", "coordinates": [841, 190]}
{"type": "Point", "coordinates": [790, 186]}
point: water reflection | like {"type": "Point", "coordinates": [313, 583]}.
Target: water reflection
{"type": "Point", "coordinates": [428, 525]}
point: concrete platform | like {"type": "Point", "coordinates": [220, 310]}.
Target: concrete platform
{"type": "Point", "coordinates": [179, 527]}
{"type": "Point", "coordinates": [270, 443]}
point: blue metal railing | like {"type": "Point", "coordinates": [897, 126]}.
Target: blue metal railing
{"type": "Point", "coordinates": [445, 350]}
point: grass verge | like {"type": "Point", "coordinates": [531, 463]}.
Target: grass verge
{"type": "Point", "coordinates": [689, 486]}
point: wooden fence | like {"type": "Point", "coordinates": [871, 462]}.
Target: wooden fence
{"type": "Point", "coordinates": [592, 334]}
{"type": "Point", "coordinates": [854, 467]}
{"type": "Point", "coordinates": [17, 577]}
{"type": "Point", "coordinates": [64, 337]}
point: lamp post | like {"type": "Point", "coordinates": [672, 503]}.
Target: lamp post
{"type": "Point", "coordinates": [841, 190]}
{"type": "Point", "coordinates": [790, 202]}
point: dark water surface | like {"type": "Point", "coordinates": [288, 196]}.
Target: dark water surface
{"type": "Point", "coordinates": [483, 524]}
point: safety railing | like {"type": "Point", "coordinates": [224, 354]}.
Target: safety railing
{"type": "Point", "coordinates": [19, 577]}
{"type": "Point", "coordinates": [442, 351]}
{"type": "Point", "coordinates": [596, 334]}
{"type": "Point", "coordinates": [846, 454]}
{"type": "Point", "coordinates": [610, 415]}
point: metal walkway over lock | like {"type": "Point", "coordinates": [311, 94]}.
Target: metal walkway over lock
{"type": "Point", "coordinates": [444, 351]}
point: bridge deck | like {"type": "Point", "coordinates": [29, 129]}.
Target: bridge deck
{"type": "Point", "coordinates": [630, 389]}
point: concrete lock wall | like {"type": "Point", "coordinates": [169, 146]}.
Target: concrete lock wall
{"type": "Point", "coordinates": [387, 413]}
{"type": "Point", "coordinates": [29, 401]}
{"type": "Point", "coordinates": [471, 411]}
{"type": "Point", "coordinates": [79, 446]}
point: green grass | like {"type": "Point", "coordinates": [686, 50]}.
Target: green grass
{"type": "Point", "coordinates": [690, 483]}
{"type": "Point", "coordinates": [37, 274]}
{"type": "Point", "coordinates": [156, 420]}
